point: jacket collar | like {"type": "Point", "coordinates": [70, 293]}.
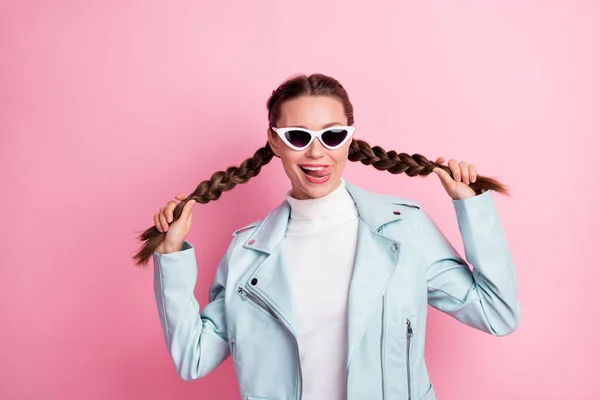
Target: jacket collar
{"type": "Point", "coordinates": [374, 209]}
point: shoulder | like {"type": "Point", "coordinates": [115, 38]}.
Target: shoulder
{"type": "Point", "coordinates": [386, 212]}
{"type": "Point", "coordinates": [402, 201]}
{"type": "Point", "coordinates": [247, 228]}
{"type": "Point", "coordinates": [406, 205]}
{"type": "Point", "coordinates": [369, 196]}
{"type": "Point", "coordinates": [376, 203]}
{"type": "Point", "coordinates": [275, 214]}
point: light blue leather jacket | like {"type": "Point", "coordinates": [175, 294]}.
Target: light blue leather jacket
{"type": "Point", "coordinates": [403, 263]}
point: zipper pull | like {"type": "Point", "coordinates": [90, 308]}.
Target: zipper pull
{"type": "Point", "coordinates": [409, 331]}
{"type": "Point", "coordinates": [242, 293]}
{"type": "Point", "coordinates": [232, 340]}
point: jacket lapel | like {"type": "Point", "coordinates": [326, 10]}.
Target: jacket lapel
{"type": "Point", "coordinates": [376, 259]}
{"type": "Point", "coordinates": [270, 278]}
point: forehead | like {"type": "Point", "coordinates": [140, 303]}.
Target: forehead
{"type": "Point", "coordinates": [313, 112]}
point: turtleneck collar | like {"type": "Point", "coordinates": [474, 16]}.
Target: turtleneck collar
{"type": "Point", "coordinates": [337, 207]}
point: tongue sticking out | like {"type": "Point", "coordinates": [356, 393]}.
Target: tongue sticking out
{"type": "Point", "coordinates": [316, 173]}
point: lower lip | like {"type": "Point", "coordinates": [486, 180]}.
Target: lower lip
{"type": "Point", "coordinates": [317, 181]}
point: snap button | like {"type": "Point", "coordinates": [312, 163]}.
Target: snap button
{"type": "Point", "coordinates": [252, 241]}
{"type": "Point", "coordinates": [397, 212]}
{"type": "Point", "coordinates": [254, 281]}
{"type": "Point", "coordinates": [395, 247]}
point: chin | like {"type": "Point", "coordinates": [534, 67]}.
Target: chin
{"type": "Point", "coordinates": [315, 191]}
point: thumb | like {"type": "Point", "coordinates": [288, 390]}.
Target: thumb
{"type": "Point", "coordinates": [186, 213]}
{"type": "Point", "coordinates": [444, 176]}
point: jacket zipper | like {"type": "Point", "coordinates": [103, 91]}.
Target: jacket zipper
{"type": "Point", "coordinates": [409, 334]}
{"type": "Point", "coordinates": [247, 295]}
{"type": "Point", "coordinates": [232, 341]}
{"type": "Point", "coordinates": [382, 349]}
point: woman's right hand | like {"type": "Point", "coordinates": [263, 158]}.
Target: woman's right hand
{"type": "Point", "coordinates": [178, 230]}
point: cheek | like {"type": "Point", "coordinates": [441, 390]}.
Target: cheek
{"type": "Point", "coordinates": [289, 159]}
{"type": "Point", "coordinates": [341, 159]}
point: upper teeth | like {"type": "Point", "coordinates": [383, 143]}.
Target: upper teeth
{"type": "Point", "coordinates": [314, 168]}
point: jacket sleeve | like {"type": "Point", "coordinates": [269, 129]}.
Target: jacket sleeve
{"type": "Point", "coordinates": [486, 297]}
{"type": "Point", "coordinates": [196, 340]}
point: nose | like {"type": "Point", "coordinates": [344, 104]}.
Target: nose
{"type": "Point", "coordinates": [315, 150]}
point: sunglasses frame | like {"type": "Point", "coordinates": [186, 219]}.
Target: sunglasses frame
{"type": "Point", "coordinates": [314, 134]}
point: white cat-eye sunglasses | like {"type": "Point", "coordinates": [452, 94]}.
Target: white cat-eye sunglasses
{"type": "Point", "coordinates": [331, 138]}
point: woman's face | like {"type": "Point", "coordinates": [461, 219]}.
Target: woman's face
{"type": "Point", "coordinates": [326, 166]}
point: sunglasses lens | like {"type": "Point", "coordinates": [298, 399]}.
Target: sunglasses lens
{"type": "Point", "coordinates": [298, 138]}
{"type": "Point", "coordinates": [334, 137]}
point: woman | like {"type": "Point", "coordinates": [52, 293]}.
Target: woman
{"type": "Point", "coordinates": [326, 297]}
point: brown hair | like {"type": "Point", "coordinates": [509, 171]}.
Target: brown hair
{"type": "Point", "coordinates": [313, 85]}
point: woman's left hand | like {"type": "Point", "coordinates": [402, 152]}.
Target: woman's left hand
{"type": "Point", "coordinates": [457, 186]}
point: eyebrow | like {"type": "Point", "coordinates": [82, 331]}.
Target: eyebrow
{"type": "Point", "coordinates": [323, 127]}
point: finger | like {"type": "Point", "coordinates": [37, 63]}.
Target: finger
{"type": "Point", "coordinates": [186, 213]}
{"type": "Point", "coordinates": [464, 170]}
{"type": "Point", "coordinates": [163, 220]}
{"type": "Point", "coordinates": [169, 211]}
{"type": "Point", "coordinates": [189, 218]}
{"type": "Point", "coordinates": [181, 196]}
{"type": "Point", "coordinates": [473, 172]}
{"type": "Point", "coordinates": [157, 223]}
{"type": "Point", "coordinates": [440, 160]}
{"type": "Point", "coordinates": [453, 165]}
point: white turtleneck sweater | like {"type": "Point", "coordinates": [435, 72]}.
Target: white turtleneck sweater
{"type": "Point", "coordinates": [320, 248]}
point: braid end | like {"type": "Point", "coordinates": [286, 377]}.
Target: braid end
{"type": "Point", "coordinates": [412, 165]}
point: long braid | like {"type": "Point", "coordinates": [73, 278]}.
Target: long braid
{"type": "Point", "coordinates": [206, 191]}
{"type": "Point", "coordinates": [412, 165]}
{"type": "Point", "coordinates": [360, 151]}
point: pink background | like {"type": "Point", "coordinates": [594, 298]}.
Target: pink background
{"type": "Point", "coordinates": [109, 108]}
